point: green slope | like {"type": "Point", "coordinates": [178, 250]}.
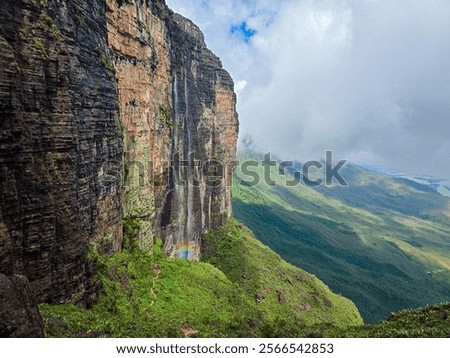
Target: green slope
{"type": "Point", "coordinates": [384, 258]}
{"type": "Point", "coordinates": [427, 322]}
{"type": "Point", "coordinates": [149, 295]}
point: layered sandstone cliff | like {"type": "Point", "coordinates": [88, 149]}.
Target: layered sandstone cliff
{"type": "Point", "coordinates": [177, 105]}
{"type": "Point", "coordinates": [109, 109]}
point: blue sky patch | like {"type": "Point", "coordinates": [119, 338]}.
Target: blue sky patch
{"type": "Point", "coordinates": [242, 30]}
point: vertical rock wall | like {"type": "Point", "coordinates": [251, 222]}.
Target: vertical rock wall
{"type": "Point", "coordinates": [140, 49]}
{"type": "Point", "coordinates": [178, 109]}
{"type": "Point", "coordinates": [61, 151]}
{"type": "Point", "coordinates": [204, 142]}
{"type": "Point", "coordinates": [106, 108]}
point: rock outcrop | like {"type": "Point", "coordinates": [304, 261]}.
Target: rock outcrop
{"type": "Point", "coordinates": [109, 109]}
{"type": "Point", "coordinates": [19, 314]}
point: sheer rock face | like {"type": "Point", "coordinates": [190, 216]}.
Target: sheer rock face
{"type": "Point", "coordinates": [178, 109]}
{"type": "Point", "coordinates": [61, 149]}
{"type": "Point", "coordinates": [19, 314]}
{"type": "Point", "coordinates": [101, 103]}
{"type": "Point", "coordinates": [205, 115]}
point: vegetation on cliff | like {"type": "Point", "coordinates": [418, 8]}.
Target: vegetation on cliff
{"type": "Point", "coordinates": [241, 289]}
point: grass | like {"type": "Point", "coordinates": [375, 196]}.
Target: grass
{"type": "Point", "coordinates": [262, 273]}
{"type": "Point", "coordinates": [427, 322]}
{"type": "Point", "coordinates": [149, 295]}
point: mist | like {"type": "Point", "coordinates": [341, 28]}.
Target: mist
{"type": "Point", "coordinates": [369, 80]}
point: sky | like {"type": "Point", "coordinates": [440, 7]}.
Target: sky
{"type": "Point", "coordinates": [368, 79]}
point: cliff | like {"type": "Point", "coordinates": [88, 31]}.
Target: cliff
{"type": "Point", "coordinates": [111, 111]}
{"type": "Point", "coordinates": [177, 105]}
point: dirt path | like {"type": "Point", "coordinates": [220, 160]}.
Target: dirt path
{"type": "Point", "coordinates": [157, 269]}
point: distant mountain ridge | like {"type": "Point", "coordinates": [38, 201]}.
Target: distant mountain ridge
{"type": "Point", "coordinates": [442, 186]}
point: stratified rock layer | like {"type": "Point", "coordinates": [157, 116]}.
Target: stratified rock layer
{"type": "Point", "coordinates": [106, 108]}
{"type": "Point", "coordinates": [178, 109]}
{"type": "Point", "coordinates": [61, 150]}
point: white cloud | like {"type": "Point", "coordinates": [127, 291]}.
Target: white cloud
{"type": "Point", "coordinates": [239, 86]}
{"type": "Point", "coordinates": [368, 79]}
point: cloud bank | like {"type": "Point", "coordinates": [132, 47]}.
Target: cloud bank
{"type": "Point", "coordinates": [368, 79]}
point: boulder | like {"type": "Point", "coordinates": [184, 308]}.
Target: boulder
{"type": "Point", "coordinates": [19, 313]}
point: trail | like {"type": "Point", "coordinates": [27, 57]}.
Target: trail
{"type": "Point", "coordinates": [157, 270]}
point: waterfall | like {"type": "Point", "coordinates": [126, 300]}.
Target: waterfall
{"type": "Point", "coordinates": [186, 244]}
{"type": "Point", "coordinates": [190, 225]}
{"type": "Point", "coordinates": [178, 242]}
{"type": "Point", "coordinates": [176, 108]}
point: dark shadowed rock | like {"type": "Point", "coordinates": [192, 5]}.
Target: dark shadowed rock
{"type": "Point", "coordinates": [260, 297]}
{"type": "Point", "coordinates": [281, 296]}
{"type": "Point", "coordinates": [19, 314]}
{"type": "Point", "coordinates": [61, 152]}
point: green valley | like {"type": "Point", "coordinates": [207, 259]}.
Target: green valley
{"type": "Point", "coordinates": [382, 242]}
